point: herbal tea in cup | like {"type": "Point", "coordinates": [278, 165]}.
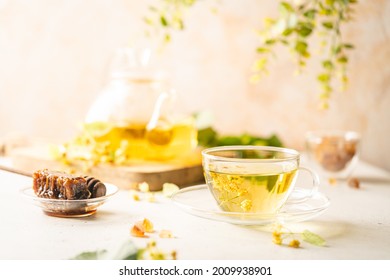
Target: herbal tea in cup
{"type": "Point", "coordinates": [252, 179]}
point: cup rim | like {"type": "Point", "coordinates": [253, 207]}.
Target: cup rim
{"type": "Point", "coordinates": [293, 154]}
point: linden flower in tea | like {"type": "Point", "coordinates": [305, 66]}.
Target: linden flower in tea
{"type": "Point", "coordinates": [251, 193]}
{"type": "Point", "coordinates": [251, 179]}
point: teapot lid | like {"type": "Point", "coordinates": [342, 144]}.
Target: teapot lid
{"type": "Point", "coordinates": [135, 64]}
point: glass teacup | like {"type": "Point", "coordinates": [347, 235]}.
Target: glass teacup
{"type": "Point", "coordinates": [334, 154]}
{"type": "Point", "coordinates": [254, 179]}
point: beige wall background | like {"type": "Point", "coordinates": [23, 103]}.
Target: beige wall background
{"type": "Point", "coordinates": [54, 55]}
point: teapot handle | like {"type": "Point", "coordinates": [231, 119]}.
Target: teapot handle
{"type": "Point", "coordinates": [162, 109]}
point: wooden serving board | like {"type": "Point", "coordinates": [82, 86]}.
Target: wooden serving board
{"type": "Point", "coordinates": [183, 173]}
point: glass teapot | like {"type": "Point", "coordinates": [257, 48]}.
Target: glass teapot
{"type": "Point", "coordinates": [136, 116]}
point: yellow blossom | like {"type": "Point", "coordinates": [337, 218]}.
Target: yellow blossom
{"type": "Point", "coordinates": [294, 243]}
{"type": "Point", "coordinates": [277, 237]}
{"type": "Point", "coordinates": [246, 204]}
{"type": "Point", "coordinates": [143, 187]}
{"type": "Point", "coordinates": [146, 225]}
{"type": "Point", "coordinates": [134, 195]}
{"type": "Point", "coordinates": [169, 188]}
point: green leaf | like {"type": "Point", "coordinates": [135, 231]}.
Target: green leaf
{"type": "Point", "coordinates": [327, 64]}
{"type": "Point", "coordinates": [163, 21]}
{"type": "Point", "coordinates": [270, 42]}
{"type": "Point", "coordinates": [304, 29]}
{"type": "Point", "coordinates": [337, 50]}
{"type": "Point", "coordinates": [126, 251]}
{"type": "Point", "coordinates": [301, 48]}
{"type": "Point", "coordinates": [260, 64]}
{"type": "Point", "coordinates": [327, 24]}
{"type": "Point", "coordinates": [207, 137]}
{"type": "Point", "coordinates": [90, 255]}
{"type": "Point", "coordinates": [323, 78]}
{"type": "Point", "coordinates": [287, 31]}
{"type": "Point", "coordinates": [286, 7]}
{"type": "Point", "coordinates": [313, 238]}
{"type": "Point", "coordinates": [342, 60]}
{"type": "Point", "coordinates": [310, 13]}
{"type": "Point", "coordinates": [274, 141]}
{"type": "Point", "coordinates": [229, 140]}
{"type": "Point", "coordinates": [348, 46]}
{"type": "Point", "coordinates": [329, 2]}
{"type": "Point", "coordinates": [262, 50]}
{"type": "Point", "coordinates": [284, 42]}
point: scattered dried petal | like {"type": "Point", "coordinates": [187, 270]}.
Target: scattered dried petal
{"type": "Point", "coordinates": [143, 187]}
{"type": "Point", "coordinates": [150, 197]}
{"type": "Point", "coordinates": [332, 181]}
{"type": "Point", "coordinates": [145, 225]}
{"type": "Point", "coordinates": [354, 183]}
{"type": "Point", "coordinates": [277, 237]}
{"type": "Point", "coordinates": [151, 252]}
{"type": "Point", "coordinates": [294, 243]}
{"type": "Point", "coordinates": [169, 189]}
{"type": "Point", "coordinates": [134, 195]}
{"type": "Point", "coordinates": [148, 225]}
{"type": "Point", "coordinates": [277, 240]}
{"type": "Point", "coordinates": [165, 234]}
{"type": "Point", "coordinates": [137, 232]}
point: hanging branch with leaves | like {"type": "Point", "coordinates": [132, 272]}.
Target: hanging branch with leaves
{"type": "Point", "coordinates": [297, 22]}
{"type": "Point", "coordinates": [167, 17]}
{"type": "Point", "coordinates": [295, 26]}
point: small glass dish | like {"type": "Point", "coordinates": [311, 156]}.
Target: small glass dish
{"type": "Point", "coordinates": [334, 154]}
{"type": "Point", "coordinates": [69, 208]}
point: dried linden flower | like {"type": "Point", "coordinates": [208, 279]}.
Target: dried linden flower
{"type": "Point", "coordinates": [277, 237]}
{"type": "Point", "coordinates": [148, 225]}
{"type": "Point", "coordinates": [169, 189]}
{"type": "Point", "coordinates": [332, 181]}
{"type": "Point", "coordinates": [294, 243]}
{"type": "Point", "coordinates": [145, 225]}
{"type": "Point", "coordinates": [152, 252]}
{"type": "Point", "coordinates": [246, 205]}
{"type": "Point", "coordinates": [137, 232]}
{"type": "Point", "coordinates": [143, 187]}
{"type": "Point", "coordinates": [134, 195]}
{"type": "Point", "coordinates": [141, 227]}
{"type": "Point", "coordinates": [354, 183]}
{"type": "Point", "coordinates": [150, 197]}
{"type": "Point", "coordinates": [165, 234]}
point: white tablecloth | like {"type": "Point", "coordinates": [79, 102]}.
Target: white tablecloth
{"type": "Point", "coordinates": [355, 226]}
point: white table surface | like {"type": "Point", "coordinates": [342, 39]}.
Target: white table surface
{"type": "Point", "coordinates": [355, 226]}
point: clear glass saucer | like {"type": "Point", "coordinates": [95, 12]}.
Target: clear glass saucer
{"type": "Point", "coordinates": [198, 201]}
{"type": "Point", "coordinates": [69, 208]}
